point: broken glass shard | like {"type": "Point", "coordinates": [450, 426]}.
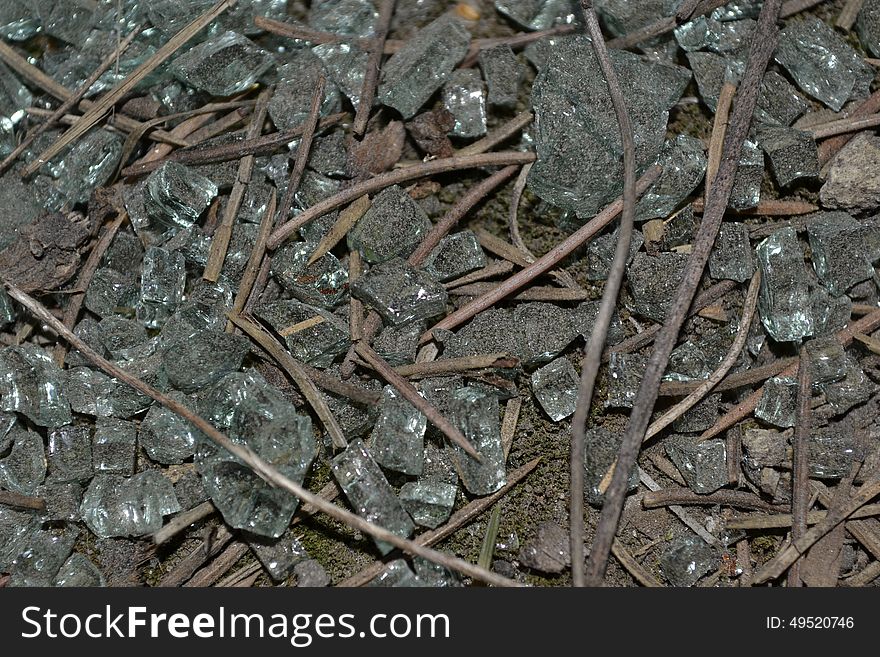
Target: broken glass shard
{"type": "Point", "coordinates": [312, 335]}
{"type": "Point", "coordinates": [625, 372]}
{"type": "Point", "coordinates": [41, 557]}
{"type": "Point", "coordinates": [828, 361]}
{"type": "Point", "coordinates": [456, 255]}
{"type": "Point", "coordinates": [24, 468]}
{"type": "Point", "coordinates": [393, 226]}
{"type": "Point", "coordinates": [778, 404]}
{"type": "Point", "coordinates": [434, 575]}
{"type": "Point", "coordinates": [82, 167]}
{"type": "Point", "coordinates": [223, 66]}
{"type": "Point", "coordinates": [831, 451]}
{"type": "Point", "coordinates": [779, 102]}
{"type": "Point", "coordinates": [822, 63]}
{"type": "Point", "coordinates": [128, 506]}
{"type": "Point", "coordinates": [702, 464]}
{"type": "Point", "coordinates": [397, 574]}
{"type": "Point", "coordinates": [732, 257]}
{"type": "Point", "coordinates": [653, 281]}
{"type": "Point", "coordinates": [19, 20]}
{"type": "Point", "coordinates": [270, 426]}
{"type": "Point", "coordinates": [369, 493]}
{"type": "Point", "coordinates": [354, 17]}
{"type": "Point", "coordinates": [548, 550]}
{"type": "Point", "coordinates": [476, 415]}
{"type": "Point", "coordinates": [398, 439]}
{"type": "Point", "coordinates": [280, 555]}
{"type": "Point", "coordinates": [600, 253]}
{"type": "Point", "coordinates": [700, 418]}
{"type": "Point", "coordinates": [830, 313]}
{"type": "Point", "coordinates": [323, 283]}
{"type": "Point", "coordinates": [190, 490]}
{"type": "Point", "coordinates": [345, 65]}
{"type": "Point", "coordinates": [465, 99]}
{"type": "Point", "coordinates": [62, 500]}
{"type": "Point", "coordinates": [571, 105]}
{"type": "Point", "coordinates": [868, 26]}
{"type": "Point", "coordinates": [601, 446]}
{"type": "Point", "coordinates": [79, 571]}
{"type": "Point", "coordinates": [398, 344]}
{"type": "Point", "coordinates": [538, 14]}
{"type": "Point", "coordinates": [784, 304]}
{"type": "Point", "coordinates": [546, 330]}
{"type": "Point", "coordinates": [851, 183]}
{"type": "Point", "coordinates": [171, 199]}
{"type": "Point", "coordinates": [399, 293]}
{"type": "Point", "coordinates": [704, 32]}
{"type": "Point", "coordinates": [297, 80]}
{"type": "Point", "coordinates": [70, 454]}
{"type": "Point", "coordinates": [113, 446]}
{"type": "Point", "coordinates": [310, 574]}
{"type": "Point", "coordinates": [163, 279]}
{"type": "Point", "coordinates": [793, 153]}
{"type": "Point", "coordinates": [203, 358]}
{"type": "Point", "coordinates": [167, 437]}
{"type": "Point", "coordinates": [555, 386]}
{"type": "Point", "coordinates": [686, 560]}
{"type": "Point", "coordinates": [749, 174]}
{"type": "Point", "coordinates": [111, 292]}
{"type": "Point", "coordinates": [839, 254]}
{"type": "Point", "coordinates": [15, 529]}
{"type": "Point", "coordinates": [121, 336]}
{"type": "Point", "coordinates": [412, 74]}
{"type": "Point", "coordinates": [855, 388]}
{"type": "Point", "coordinates": [30, 383]}
{"type": "Point", "coordinates": [684, 164]}
{"type": "Point", "coordinates": [87, 390]}
{"type": "Point", "coordinates": [503, 73]}
{"type": "Point", "coordinates": [428, 502]}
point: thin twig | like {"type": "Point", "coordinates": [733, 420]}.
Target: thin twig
{"type": "Point", "coordinates": [543, 264]}
{"type": "Point", "coordinates": [534, 293]}
{"type": "Point", "coordinates": [503, 249]}
{"type": "Point", "coordinates": [295, 370]}
{"type": "Point", "coordinates": [719, 130]}
{"type": "Point", "coordinates": [508, 424]}
{"type": "Point", "coordinates": [27, 502]}
{"type": "Point", "coordinates": [793, 7]}
{"type": "Point", "coordinates": [252, 269]}
{"type": "Point", "coordinates": [410, 394]}
{"type": "Point", "coordinates": [347, 219]}
{"type": "Point", "coordinates": [738, 498]}
{"type": "Point", "coordinates": [355, 306]}
{"type": "Point", "coordinates": [633, 567]}
{"type": "Point", "coordinates": [396, 177]}
{"type": "Point", "coordinates": [210, 546]}
{"type": "Point", "coordinates": [773, 207]}
{"type": "Point", "coordinates": [303, 150]}
{"type": "Point", "coordinates": [264, 145]}
{"type": "Point", "coordinates": [800, 493]}
{"type": "Point", "coordinates": [830, 147]}
{"type": "Point", "coordinates": [457, 365]}
{"type": "Point", "coordinates": [497, 136]}
{"type": "Point", "coordinates": [487, 550]}
{"type": "Point", "coordinates": [108, 100]}
{"type": "Point", "coordinates": [593, 353]}
{"type": "Point", "coordinates": [374, 62]}
{"type": "Point", "coordinates": [248, 457]}
{"type": "Point", "coordinates": [219, 566]}
{"type": "Point", "coordinates": [841, 126]}
{"type": "Point", "coordinates": [183, 520]}
{"type": "Point", "coordinates": [72, 100]}
{"type": "Point", "coordinates": [496, 268]}
{"type": "Point", "coordinates": [764, 43]}
{"type": "Point", "coordinates": [221, 237]}
{"type": "Point", "coordinates": [513, 218]}
{"type": "Point", "coordinates": [457, 520]}
{"type": "Point", "coordinates": [679, 511]}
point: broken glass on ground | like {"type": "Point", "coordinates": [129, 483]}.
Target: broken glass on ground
{"type": "Point", "coordinates": [683, 163]}
{"type": "Point", "coordinates": [165, 436]}
{"type": "Point", "coordinates": [223, 66]}
{"type": "Point", "coordinates": [279, 556]}
{"type": "Point", "coordinates": [23, 469]}
{"type": "Point", "coordinates": [297, 79]}
{"type": "Point", "coordinates": [868, 26]}
{"type": "Point", "coordinates": [556, 386]}
{"type": "Point", "coordinates": [475, 413]}
{"type": "Point", "coordinates": [412, 74]}
{"type": "Point", "coordinates": [465, 98]}
{"type": "Point", "coordinates": [394, 225]}
{"type": "Point", "coordinates": [843, 249]}
{"type": "Point", "coordinates": [398, 438]}
{"type": "Point", "coordinates": [503, 73]}
{"type": "Point", "coordinates": [369, 493]}
{"type": "Point", "coordinates": [778, 403]}
{"type": "Point", "coordinates": [686, 559]}
{"type": "Point", "coordinates": [163, 279]}
{"type": "Point", "coordinates": [793, 153]}
{"type": "Point", "coordinates": [429, 502]}
{"type": "Point", "coordinates": [312, 335]}
{"type": "Point", "coordinates": [30, 384]}
{"type": "Point", "coordinates": [456, 255]}
{"type": "Point", "coordinates": [323, 283]}
{"type": "Point", "coordinates": [746, 191]}
{"type": "Point", "coordinates": [784, 304]}
{"type": "Point", "coordinates": [653, 282]}
{"type": "Point", "coordinates": [113, 446]}
{"type": "Point", "coordinates": [601, 446]}
{"type": "Point", "coordinates": [399, 293]}
{"type": "Point", "coordinates": [42, 555]}
{"type": "Point", "coordinates": [822, 63]}
{"type": "Point", "coordinates": [702, 464]}
{"type": "Point", "coordinates": [538, 14]}
{"type": "Point", "coordinates": [114, 505]}
{"type": "Point", "coordinates": [79, 571]}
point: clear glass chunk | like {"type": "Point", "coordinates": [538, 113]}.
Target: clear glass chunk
{"type": "Point", "coordinates": [555, 386]}
{"type": "Point", "coordinates": [428, 502]}
{"type": "Point", "coordinates": [30, 384]}
{"type": "Point", "coordinates": [128, 506]}
{"type": "Point", "coordinates": [784, 304]}
{"type": "Point", "coordinates": [476, 415]}
{"type": "Point", "coordinates": [398, 439]}
{"type": "Point", "coordinates": [223, 66]}
{"type": "Point", "coordinates": [399, 293]}
{"type": "Point", "coordinates": [393, 226]}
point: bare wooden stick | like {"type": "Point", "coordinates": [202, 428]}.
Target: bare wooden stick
{"type": "Point", "coordinates": [841, 126]}
{"type": "Point", "coordinates": [633, 567]}
{"type": "Point", "coordinates": [252, 269]}
{"type": "Point", "coordinates": [396, 177]}
{"type": "Point", "coordinates": [460, 364]}
{"type": "Point", "coordinates": [70, 101]}
{"type": "Point", "coordinates": [218, 567]}
{"type": "Point", "coordinates": [737, 498]}
{"type": "Point", "coordinates": [183, 520]}
{"type": "Point", "coordinates": [347, 219]}
{"type": "Point", "coordinates": [543, 264]}
{"type": "Point", "coordinates": [719, 130]}
{"type": "Point", "coordinates": [508, 424]}
{"type": "Point", "coordinates": [247, 456]}
{"type": "Point", "coordinates": [108, 100]}
{"type": "Point", "coordinates": [497, 136]}
{"type": "Point", "coordinates": [772, 207]}
{"type": "Point", "coordinates": [408, 392]}
{"type": "Point", "coordinates": [19, 501]}
{"type": "Point", "coordinates": [221, 237]}
{"type": "Point", "coordinates": [459, 519]}
{"type": "Point", "coordinates": [793, 7]}
{"type": "Point", "coordinates": [303, 150]}
{"type": "Point", "coordinates": [209, 547]}
{"type": "Point", "coordinates": [800, 494]}
{"type": "Point", "coordinates": [533, 293]}
{"type": "Point", "coordinates": [296, 372]}
{"type": "Point", "coordinates": [355, 306]}
{"type": "Point", "coordinates": [374, 62]}
{"type": "Point", "coordinates": [491, 270]}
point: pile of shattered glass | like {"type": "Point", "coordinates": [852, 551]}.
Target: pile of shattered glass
{"type": "Point", "coordinates": [110, 465]}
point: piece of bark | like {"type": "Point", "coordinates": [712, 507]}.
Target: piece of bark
{"type": "Point", "coordinates": [430, 130]}
{"type": "Point", "coordinates": [378, 151]}
{"type": "Point", "coordinates": [47, 252]}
